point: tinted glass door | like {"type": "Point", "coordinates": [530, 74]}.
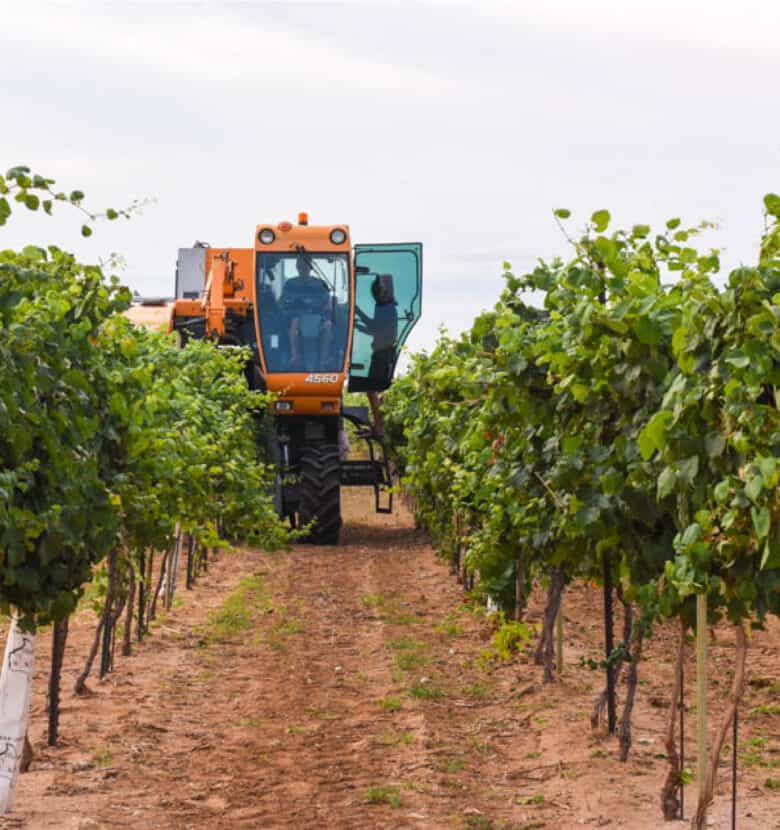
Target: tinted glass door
{"type": "Point", "coordinates": [388, 302]}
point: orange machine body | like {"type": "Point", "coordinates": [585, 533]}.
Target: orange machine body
{"type": "Point", "coordinates": [231, 290]}
{"type": "Point", "coordinates": [303, 296]}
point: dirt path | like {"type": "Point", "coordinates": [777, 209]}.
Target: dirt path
{"type": "Point", "coordinates": [346, 688]}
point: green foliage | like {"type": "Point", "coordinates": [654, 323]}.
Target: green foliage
{"type": "Point", "coordinates": [35, 192]}
{"type": "Point", "coordinates": [635, 412]}
{"type": "Point", "coordinates": [109, 435]}
{"type": "Point", "coordinates": [510, 637]}
{"type": "Point", "coordinates": [57, 518]}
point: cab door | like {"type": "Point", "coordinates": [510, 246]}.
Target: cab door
{"type": "Point", "coordinates": [388, 302]}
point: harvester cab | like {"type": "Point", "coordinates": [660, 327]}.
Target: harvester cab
{"type": "Point", "coordinates": [316, 313]}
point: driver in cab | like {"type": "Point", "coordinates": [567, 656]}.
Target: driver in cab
{"type": "Point", "coordinates": [306, 301]}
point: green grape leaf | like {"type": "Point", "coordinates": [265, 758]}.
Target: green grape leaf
{"type": "Point", "coordinates": [761, 521]}
{"type": "Point", "coordinates": [600, 220]}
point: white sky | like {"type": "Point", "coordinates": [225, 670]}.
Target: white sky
{"type": "Point", "coordinates": [461, 126]}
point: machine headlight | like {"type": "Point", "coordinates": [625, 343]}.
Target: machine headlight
{"type": "Point", "coordinates": [266, 236]}
{"type": "Point", "coordinates": [284, 406]}
{"type": "Point", "coordinates": [338, 236]}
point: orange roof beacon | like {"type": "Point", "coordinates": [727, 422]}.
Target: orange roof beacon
{"type": "Point", "coordinates": [317, 313]}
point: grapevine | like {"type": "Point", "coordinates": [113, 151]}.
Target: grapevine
{"type": "Point", "coordinates": [632, 415]}
{"type": "Point", "coordinates": [114, 442]}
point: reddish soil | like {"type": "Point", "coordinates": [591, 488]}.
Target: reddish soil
{"type": "Point", "coordinates": [349, 693]}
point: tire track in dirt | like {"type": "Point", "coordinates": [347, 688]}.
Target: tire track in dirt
{"type": "Point", "coordinates": [305, 699]}
{"type": "Point", "coordinates": [280, 726]}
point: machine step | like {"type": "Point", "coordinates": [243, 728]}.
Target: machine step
{"type": "Point", "coordinates": [364, 474]}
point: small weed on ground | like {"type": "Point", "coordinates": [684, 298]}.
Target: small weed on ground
{"type": "Point", "coordinates": [390, 738]}
{"type": "Point", "coordinates": [753, 756]}
{"type": "Point", "coordinates": [766, 709]}
{"type": "Point", "coordinates": [510, 638]}
{"type": "Point", "coordinates": [426, 690]}
{"type": "Point", "coordinates": [390, 703]}
{"type": "Point", "coordinates": [410, 654]}
{"type": "Point", "coordinates": [317, 713]}
{"type": "Point", "coordinates": [477, 691]}
{"type": "Point", "coordinates": [390, 608]}
{"type": "Point", "coordinates": [482, 747]}
{"type": "Point", "coordinates": [102, 757]}
{"type": "Point", "coordinates": [234, 616]}
{"type": "Point", "coordinates": [531, 799]}
{"type": "Point", "coordinates": [247, 723]}
{"type": "Point", "coordinates": [285, 625]}
{"type": "Point", "coordinates": [450, 765]}
{"type": "Point", "coordinates": [373, 600]}
{"type": "Point", "coordinates": [485, 823]}
{"type": "Point", "coordinates": [449, 627]}
{"type": "Point", "coordinates": [479, 823]}
{"type": "Point", "coordinates": [383, 795]}
{"type": "Point", "coordinates": [760, 682]}
{"type": "Point", "coordinates": [402, 618]}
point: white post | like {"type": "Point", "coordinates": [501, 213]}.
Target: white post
{"type": "Point", "coordinates": [172, 568]}
{"type": "Point", "coordinates": [15, 688]}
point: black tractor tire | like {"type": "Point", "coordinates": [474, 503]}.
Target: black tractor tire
{"type": "Point", "coordinates": [320, 493]}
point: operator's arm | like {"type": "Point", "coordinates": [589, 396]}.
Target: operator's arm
{"type": "Point", "coordinates": [362, 320]}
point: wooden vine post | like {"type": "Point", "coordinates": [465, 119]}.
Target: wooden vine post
{"type": "Point", "coordinates": [142, 583]}
{"type": "Point", "coordinates": [609, 644]}
{"type": "Point", "coordinates": [728, 721]}
{"type": "Point", "coordinates": [734, 744]}
{"type": "Point", "coordinates": [519, 588]}
{"type": "Point", "coordinates": [190, 546]}
{"type": "Point", "coordinates": [559, 639]}
{"type": "Point", "coordinates": [58, 640]}
{"type": "Point", "coordinates": [701, 705]}
{"type": "Point", "coordinates": [681, 705]}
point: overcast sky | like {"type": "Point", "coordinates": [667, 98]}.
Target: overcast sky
{"type": "Point", "coordinates": [461, 126]}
